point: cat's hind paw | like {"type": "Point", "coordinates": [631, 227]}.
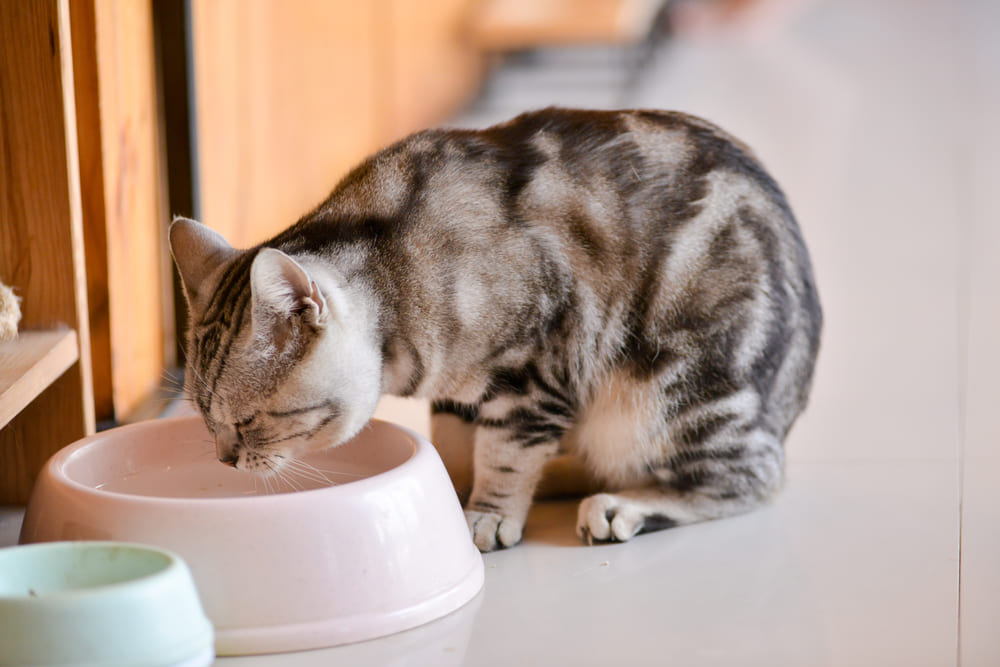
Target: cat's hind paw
{"type": "Point", "coordinates": [605, 518]}
{"type": "Point", "coordinates": [491, 531]}
{"type": "Point", "coordinates": [618, 517]}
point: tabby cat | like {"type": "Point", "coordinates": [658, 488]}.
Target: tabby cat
{"type": "Point", "coordinates": [624, 290]}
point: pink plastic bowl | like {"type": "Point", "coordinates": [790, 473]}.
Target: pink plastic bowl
{"type": "Point", "coordinates": [303, 563]}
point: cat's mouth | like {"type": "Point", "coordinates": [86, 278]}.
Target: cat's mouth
{"type": "Point", "coordinates": [256, 461]}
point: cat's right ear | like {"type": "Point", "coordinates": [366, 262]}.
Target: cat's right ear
{"type": "Point", "coordinates": [197, 251]}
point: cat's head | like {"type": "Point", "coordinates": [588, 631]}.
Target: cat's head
{"type": "Point", "coordinates": [281, 359]}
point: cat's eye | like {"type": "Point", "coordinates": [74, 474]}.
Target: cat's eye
{"type": "Point", "coordinates": [245, 422]}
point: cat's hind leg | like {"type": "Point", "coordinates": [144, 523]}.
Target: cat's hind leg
{"type": "Point", "coordinates": [729, 474]}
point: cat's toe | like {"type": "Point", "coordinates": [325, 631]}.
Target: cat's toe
{"type": "Point", "coordinates": [605, 518]}
{"type": "Point", "coordinates": [591, 521]}
{"type": "Point", "coordinates": [491, 531]}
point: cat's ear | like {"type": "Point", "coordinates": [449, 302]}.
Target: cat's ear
{"type": "Point", "coordinates": [198, 251]}
{"type": "Point", "coordinates": [281, 290]}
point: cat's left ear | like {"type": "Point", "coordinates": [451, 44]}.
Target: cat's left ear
{"type": "Point", "coordinates": [282, 290]}
{"type": "Point", "coordinates": [197, 251]}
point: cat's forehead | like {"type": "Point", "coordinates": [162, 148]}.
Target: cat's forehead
{"type": "Point", "coordinates": [224, 296]}
{"type": "Point", "coordinates": [235, 398]}
{"type": "Point", "coordinates": [235, 370]}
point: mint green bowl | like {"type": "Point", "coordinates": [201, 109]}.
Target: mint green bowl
{"type": "Point", "coordinates": [100, 603]}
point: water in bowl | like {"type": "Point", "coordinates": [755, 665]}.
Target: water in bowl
{"type": "Point", "coordinates": [210, 479]}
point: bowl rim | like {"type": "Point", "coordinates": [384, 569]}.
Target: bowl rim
{"type": "Point", "coordinates": [56, 468]}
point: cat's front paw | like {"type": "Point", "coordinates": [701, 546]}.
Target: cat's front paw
{"type": "Point", "coordinates": [491, 531]}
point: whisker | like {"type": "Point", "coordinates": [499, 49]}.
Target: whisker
{"type": "Point", "coordinates": [294, 470]}
{"type": "Point", "coordinates": [273, 475]}
{"type": "Point", "coordinates": [167, 394]}
{"type": "Point", "coordinates": [313, 479]}
{"type": "Point", "coordinates": [164, 400]}
{"type": "Point", "coordinates": [290, 480]}
{"type": "Point", "coordinates": [172, 379]}
{"type": "Point", "coordinates": [342, 473]}
{"type": "Point", "coordinates": [196, 377]}
{"type": "Point", "coordinates": [173, 391]}
{"type": "Point", "coordinates": [204, 385]}
{"type": "Point", "coordinates": [305, 470]}
{"type": "Point", "coordinates": [178, 397]}
{"type": "Point", "coordinates": [328, 471]}
{"type": "Point", "coordinates": [321, 471]}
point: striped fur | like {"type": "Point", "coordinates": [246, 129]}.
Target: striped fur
{"type": "Point", "coordinates": [628, 290]}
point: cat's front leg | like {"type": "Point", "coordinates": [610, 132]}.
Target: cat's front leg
{"type": "Point", "coordinates": [510, 455]}
{"type": "Point", "coordinates": [453, 432]}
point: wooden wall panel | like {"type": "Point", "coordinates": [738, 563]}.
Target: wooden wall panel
{"type": "Point", "coordinates": [41, 245]}
{"type": "Point", "coordinates": [124, 215]}
{"type": "Point", "coordinates": [431, 65]}
{"type": "Point", "coordinates": [135, 213]}
{"type": "Point", "coordinates": [286, 105]}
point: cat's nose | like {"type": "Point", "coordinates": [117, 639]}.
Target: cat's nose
{"type": "Point", "coordinates": [226, 452]}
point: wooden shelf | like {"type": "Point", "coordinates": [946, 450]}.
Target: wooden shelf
{"type": "Point", "coordinates": [30, 364]}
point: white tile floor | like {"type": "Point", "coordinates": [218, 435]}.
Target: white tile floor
{"type": "Point", "coordinates": [880, 119]}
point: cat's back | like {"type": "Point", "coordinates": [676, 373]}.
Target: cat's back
{"type": "Point", "coordinates": [627, 233]}
{"type": "Point", "coordinates": [607, 196]}
{"type": "Point", "coordinates": [626, 174]}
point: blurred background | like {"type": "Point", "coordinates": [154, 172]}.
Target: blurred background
{"type": "Point", "coordinates": [119, 114]}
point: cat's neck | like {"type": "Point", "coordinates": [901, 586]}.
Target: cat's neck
{"type": "Point", "coordinates": [399, 319]}
{"type": "Point", "coordinates": [360, 301]}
